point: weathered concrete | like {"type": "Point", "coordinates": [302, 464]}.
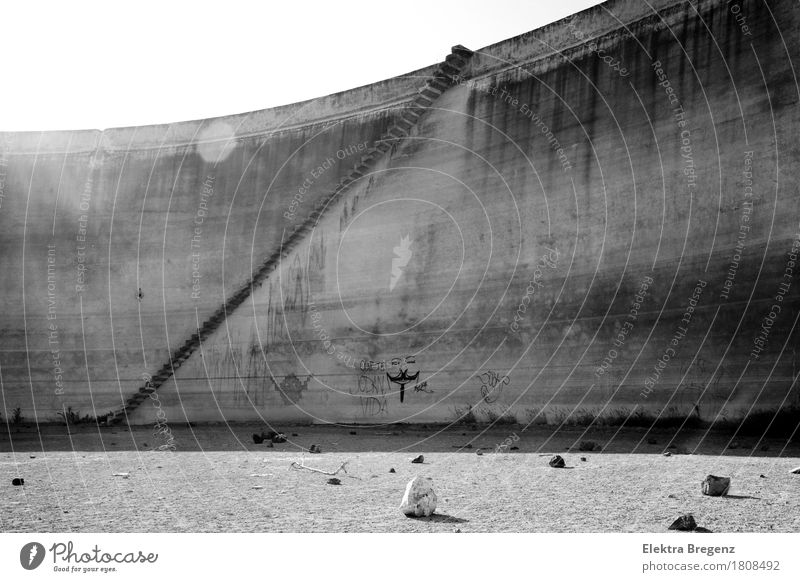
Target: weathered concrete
{"type": "Point", "coordinates": [551, 186]}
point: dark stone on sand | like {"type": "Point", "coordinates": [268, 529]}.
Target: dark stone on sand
{"type": "Point", "coordinates": [557, 462]}
{"type": "Point", "coordinates": [278, 438]}
{"type": "Point", "coordinates": [583, 459]}
{"type": "Point", "coordinates": [514, 449]}
{"type": "Point", "coordinates": [667, 454]}
{"type": "Point", "coordinates": [418, 460]}
{"type": "Point", "coordinates": [353, 432]}
{"type": "Point", "coordinates": [716, 486]}
{"type": "Point", "coordinates": [314, 449]}
{"type": "Point", "coordinates": [701, 530]}
{"type": "Point", "coordinates": [16, 482]}
{"type": "Point", "coordinates": [392, 470]}
{"type": "Point", "coordinates": [334, 481]}
{"type": "Point", "coordinates": [684, 523]}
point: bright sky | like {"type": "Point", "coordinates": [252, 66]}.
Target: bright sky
{"type": "Point", "coordinates": [96, 64]}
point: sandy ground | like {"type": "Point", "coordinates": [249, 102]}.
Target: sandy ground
{"type": "Point", "coordinates": [218, 480]}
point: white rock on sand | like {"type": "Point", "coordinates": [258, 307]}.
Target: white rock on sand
{"type": "Point", "coordinates": [419, 499]}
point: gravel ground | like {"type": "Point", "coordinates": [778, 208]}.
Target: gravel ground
{"type": "Point", "coordinates": [218, 480]}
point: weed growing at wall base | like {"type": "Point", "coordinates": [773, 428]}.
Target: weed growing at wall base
{"type": "Point", "coordinates": [161, 427]}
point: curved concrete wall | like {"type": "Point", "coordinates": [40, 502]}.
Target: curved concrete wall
{"type": "Point", "coordinates": [602, 215]}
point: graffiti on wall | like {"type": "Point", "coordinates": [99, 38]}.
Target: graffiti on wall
{"type": "Point", "coordinates": [402, 376]}
{"type": "Point", "coordinates": [371, 390]}
{"type": "Point", "coordinates": [492, 385]}
{"type": "Point", "coordinates": [290, 294]}
{"type": "Point", "coordinates": [377, 377]}
{"type": "Point", "coordinates": [239, 374]}
{"type": "Point", "coordinates": [291, 389]}
{"type": "Point", "coordinates": [399, 373]}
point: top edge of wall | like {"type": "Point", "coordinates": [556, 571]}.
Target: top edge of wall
{"type": "Point", "coordinates": [559, 37]}
{"type": "Point", "coordinates": [541, 43]}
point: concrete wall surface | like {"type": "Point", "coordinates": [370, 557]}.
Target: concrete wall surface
{"type": "Point", "coordinates": [600, 216]}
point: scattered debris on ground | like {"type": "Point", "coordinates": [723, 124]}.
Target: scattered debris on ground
{"type": "Point", "coordinates": [479, 453]}
{"type": "Point", "coordinates": [557, 462]}
{"type": "Point", "coordinates": [418, 460]}
{"type": "Point", "coordinates": [342, 467]}
{"type": "Point", "coordinates": [796, 471]}
{"type": "Point", "coordinates": [667, 454]}
{"type": "Point", "coordinates": [716, 486]}
{"type": "Point", "coordinates": [272, 437]}
{"type": "Point", "coordinates": [419, 499]}
{"type": "Point", "coordinates": [123, 475]}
